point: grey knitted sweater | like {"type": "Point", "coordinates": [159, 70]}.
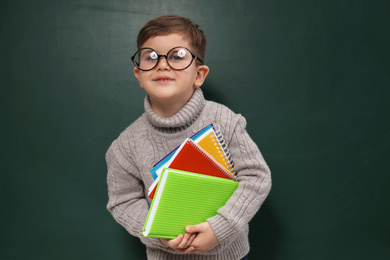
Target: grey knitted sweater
{"type": "Point", "coordinates": [150, 138]}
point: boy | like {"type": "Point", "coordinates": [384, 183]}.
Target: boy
{"type": "Point", "coordinates": [169, 66]}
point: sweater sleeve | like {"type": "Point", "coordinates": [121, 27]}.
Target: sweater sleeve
{"type": "Point", "coordinates": [254, 185]}
{"type": "Point", "coordinates": [127, 202]}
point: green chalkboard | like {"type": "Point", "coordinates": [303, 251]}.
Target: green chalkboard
{"type": "Point", "coordinates": [312, 79]}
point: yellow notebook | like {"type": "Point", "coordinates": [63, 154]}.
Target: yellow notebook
{"type": "Point", "coordinates": [213, 143]}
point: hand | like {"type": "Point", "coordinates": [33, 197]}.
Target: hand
{"type": "Point", "coordinates": [182, 243]}
{"type": "Point", "coordinates": [205, 239]}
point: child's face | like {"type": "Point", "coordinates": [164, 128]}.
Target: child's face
{"type": "Point", "coordinates": [169, 88]}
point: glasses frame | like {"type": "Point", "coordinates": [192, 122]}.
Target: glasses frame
{"type": "Point", "coordinates": [166, 58]}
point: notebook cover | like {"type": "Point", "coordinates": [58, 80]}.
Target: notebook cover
{"type": "Point", "coordinates": [190, 157]}
{"type": "Point", "coordinates": [208, 141]}
{"type": "Point", "coordinates": [193, 159]}
{"type": "Point", "coordinates": [185, 198]}
{"type": "Point", "coordinates": [159, 166]}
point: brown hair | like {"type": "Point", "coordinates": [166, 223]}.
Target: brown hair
{"type": "Point", "coordinates": [169, 24]}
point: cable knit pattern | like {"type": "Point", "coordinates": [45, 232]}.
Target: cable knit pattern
{"type": "Point", "coordinates": [181, 120]}
{"type": "Point", "coordinates": [150, 138]}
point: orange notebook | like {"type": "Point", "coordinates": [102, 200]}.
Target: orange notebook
{"type": "Point", "coordinates": [193, 158]}
{"type": "Point", "coordinates": [213, 143]}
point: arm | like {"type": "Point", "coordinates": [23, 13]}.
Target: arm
{"type": "Point", "coordinates": [254, 184]}
{"type": "Point", "coordinates": [127, 202]}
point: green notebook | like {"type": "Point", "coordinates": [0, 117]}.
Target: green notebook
{"type": "Point", "coordinates": [185, 198]}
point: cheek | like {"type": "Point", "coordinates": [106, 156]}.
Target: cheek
{"type": "Point", "coordinates": [142, 79]}
{"type": "Point", "coordinates": [190, 75]}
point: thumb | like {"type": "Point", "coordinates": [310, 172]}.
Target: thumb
{"type": "Point", "coordinates": [195, 228]}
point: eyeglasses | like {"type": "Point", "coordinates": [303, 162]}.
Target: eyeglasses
{"type": "Point", "coordinates": [178, 58]}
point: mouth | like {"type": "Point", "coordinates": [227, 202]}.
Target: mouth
{"type": "Point", "coordinates": [163, 79]}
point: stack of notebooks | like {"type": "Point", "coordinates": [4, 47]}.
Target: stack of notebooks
{"type": "Point", "coordinates": [205, 152]}
{"type": "Point", "coordinates": [191, 184]}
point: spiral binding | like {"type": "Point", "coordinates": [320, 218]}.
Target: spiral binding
{"type": "Point", "coordinates": [216, 164]}
{"type": "Point", "coordinates": [223, 145]}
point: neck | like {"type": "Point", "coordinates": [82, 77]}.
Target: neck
{"type": "Point", "coordinates": [166, 109]}
{"type": "Point", "coordinates": [182, 118]}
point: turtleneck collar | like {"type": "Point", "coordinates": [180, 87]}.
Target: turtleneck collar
{"type": "Point", "coordinates": [182, 119]}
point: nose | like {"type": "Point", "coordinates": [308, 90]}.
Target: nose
{"type": "Point", "coordinates": [162, 63]}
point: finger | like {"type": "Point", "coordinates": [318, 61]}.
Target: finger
{"type": "Point", "coordinates": [192, 238]}
{"type": "Point", "coordinates": [195, 228]}
{"type": "Point", "coordinates": [184, 242]}
{"type": "Point", "coordinates": [189, 238]}
{"type": "Point", "coordinates": [185, 250]}
{"type": "Point", "coordinates": [173, 243]}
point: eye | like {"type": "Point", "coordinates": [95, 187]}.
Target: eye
{"type": "Point", "coordinates": [153, 55]}
{"type": "Point", "coordinates": [178, 55]}
{"type": "Point", "coordinates": [181, 53]}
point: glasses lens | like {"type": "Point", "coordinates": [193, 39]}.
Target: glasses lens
{"type": "Point", "coordinates": [179, 58]}
{"type": "Point", "coordinates": [146, 59]}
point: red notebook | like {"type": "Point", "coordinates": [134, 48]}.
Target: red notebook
{"type": "Point", "coordinates": [192, 158]}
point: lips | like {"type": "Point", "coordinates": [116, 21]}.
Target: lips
{"type": "Point", "coordinates": [163, 79]}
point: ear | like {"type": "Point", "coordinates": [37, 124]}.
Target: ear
{"type": "Point", "coordinates": [201, 74]}
{"type": "Point", "coordinates": [137, 75]}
